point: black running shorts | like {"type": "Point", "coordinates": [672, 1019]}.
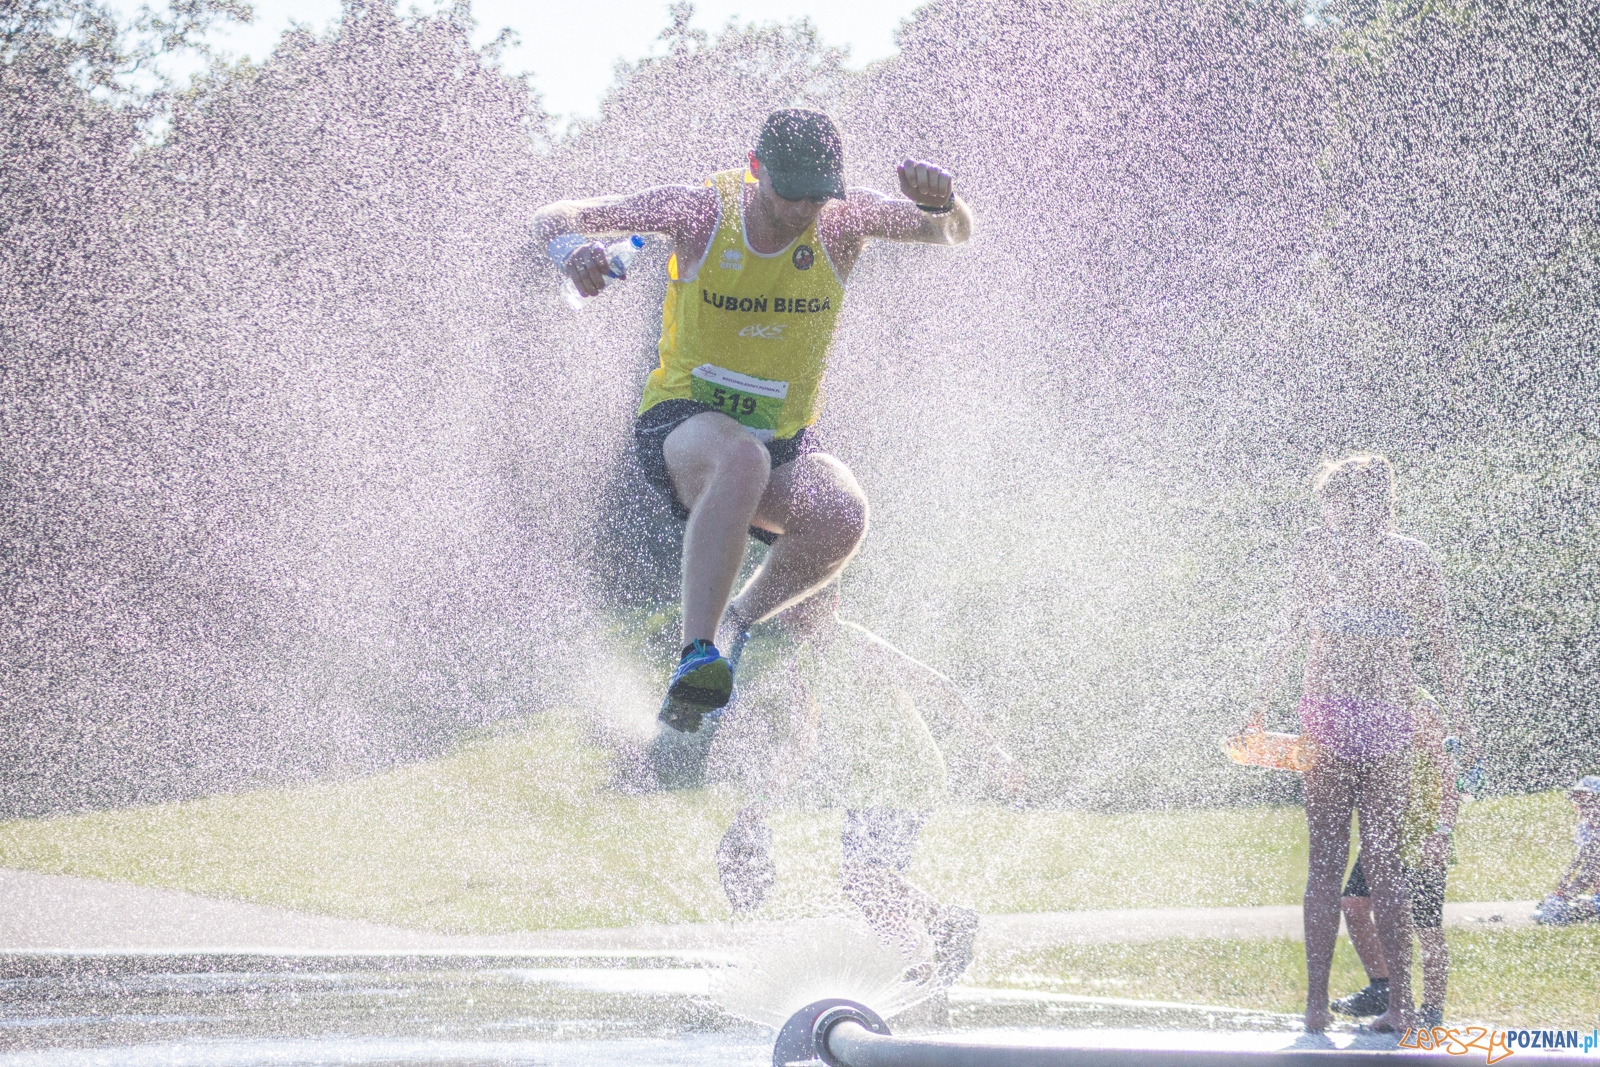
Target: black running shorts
{"type": "Point", "coordinates": [650, 432]}
{"type": "Point", "coordinates": [1424, 885]}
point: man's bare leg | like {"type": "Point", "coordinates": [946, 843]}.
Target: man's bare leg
{"type": "Point", "coordinates": [719, 472]}
{"type": "Point", "coordinates": [1435, 952]}
{"type": "Point", "coordinates": [820, 511]}
{"type": "Point", "coordinates": [1363, 930]}
{"type": "Point", "coordinates": [1382, 803]}
{"type": "Point", "coordinates": [723, 476]}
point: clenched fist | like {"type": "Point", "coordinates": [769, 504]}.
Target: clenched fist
{"type": "Point", "coordinates": [587, 266]}
{"type": "Point", "coordinates": [925, 184]}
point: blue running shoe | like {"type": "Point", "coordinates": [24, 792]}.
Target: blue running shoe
{"type": "Point", "coordinates": [702, 681]}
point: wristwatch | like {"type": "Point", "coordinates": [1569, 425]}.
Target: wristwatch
{"type": "Point", "coordinates": [949, 206]}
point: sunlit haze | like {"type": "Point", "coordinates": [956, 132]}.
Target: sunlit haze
{"type": "Point", "coordinates": [570, 49]}
{"type": "Point", "coordinates": [1194, 460]}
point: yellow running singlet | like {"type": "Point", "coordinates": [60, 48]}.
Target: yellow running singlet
{"type": "Point", "coordinates": [748, 333]}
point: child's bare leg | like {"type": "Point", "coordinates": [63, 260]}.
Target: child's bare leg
{"type": "Point", "coordinates": [1364, 935]}
{"type": "Point", "coordinates": [1382, 801]}
{"type": "Point", "coordinates": [1329, 797]}
{"type": "Point", "coordinates": [1435, 965]}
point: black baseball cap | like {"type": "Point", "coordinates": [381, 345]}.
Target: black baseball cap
{"type": "Point", "coordinates": [804, 153]}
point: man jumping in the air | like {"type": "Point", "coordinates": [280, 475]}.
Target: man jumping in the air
{"type": "Point", "coordinates": [755, 283]}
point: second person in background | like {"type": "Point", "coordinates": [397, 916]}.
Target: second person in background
{"type": "Point", "coordinates": [1358, 594]}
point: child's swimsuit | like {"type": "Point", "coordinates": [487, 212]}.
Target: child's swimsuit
{"type": "Point", "coordinates": [1356, 729]}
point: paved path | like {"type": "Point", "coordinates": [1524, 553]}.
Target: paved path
{"type": "Point", "coordinates": [56, 913]}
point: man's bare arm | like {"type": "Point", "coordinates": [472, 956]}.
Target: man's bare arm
{"type": "Point", "coordinates": [663, 209]}
{"type": "Point", "coordinates": [684, 213]}
{"type": "Point", "coordinates": [867, 213]}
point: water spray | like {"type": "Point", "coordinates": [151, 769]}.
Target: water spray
{"type": "Point", "coordinates": [842, 1033]}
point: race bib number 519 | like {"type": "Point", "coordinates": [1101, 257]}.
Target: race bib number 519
{"type": "Point", "coordinates": [755, 402]}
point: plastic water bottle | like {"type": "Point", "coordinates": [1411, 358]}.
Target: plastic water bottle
{"type": "Point", "coordinates": [619, 254]}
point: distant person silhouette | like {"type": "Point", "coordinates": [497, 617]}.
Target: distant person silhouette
{"type": "Point", "coordinates": [860, 693]}
{"type": "Point", "coordinates": [1576, 897]}
{"type": "Point", "coordinates": [1358, 592]}
{"type": "Point", "coordinates": [1425, 833]}
{"type": "Point", "coordinates": [755, 284]}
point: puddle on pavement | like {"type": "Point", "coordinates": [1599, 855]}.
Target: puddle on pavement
{"type": "Point", "coordinates": [570, 1011]}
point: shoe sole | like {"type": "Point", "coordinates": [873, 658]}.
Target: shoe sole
{"type": "Point", "coordinates": [684, 718]}
{"type": "Point", "coordinates": [710, 686]}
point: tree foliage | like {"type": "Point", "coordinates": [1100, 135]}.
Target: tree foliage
{"type": "Point", "coordinates": [304, 465]}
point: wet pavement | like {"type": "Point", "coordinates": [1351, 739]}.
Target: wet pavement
{"type": "Point", "coordinates": [61, 1001]}
{"type": "Point", "coordinates": [247, 1009]}
{"type": "Point", "coordinates": [579, 1009]}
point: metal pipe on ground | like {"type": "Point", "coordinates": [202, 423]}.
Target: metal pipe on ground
{"type": "Point", "coordinates": [841, 1033]}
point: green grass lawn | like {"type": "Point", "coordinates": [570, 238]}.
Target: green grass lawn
{"type": "Point", "coordinates": [512, 833]}
{"type": "Point", "coordinates": [519, 832]}
{"type": "Point", "coordinates": [1542, 977]}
